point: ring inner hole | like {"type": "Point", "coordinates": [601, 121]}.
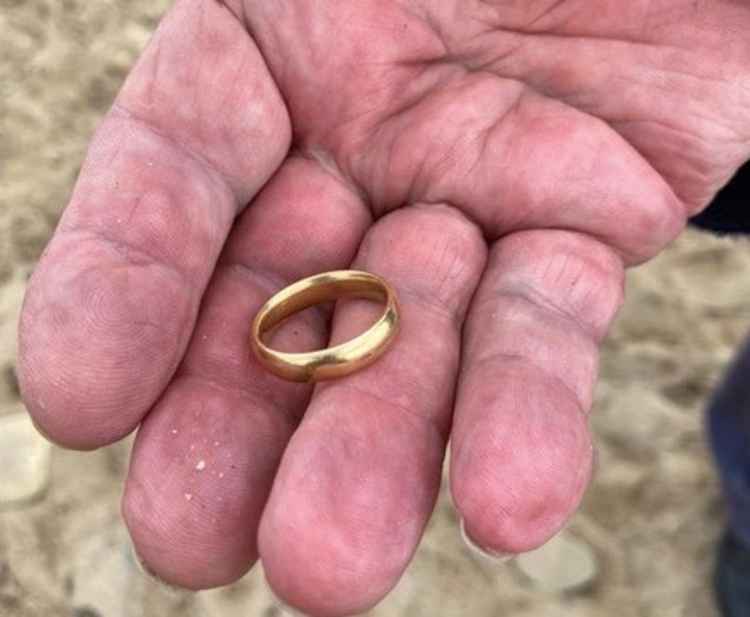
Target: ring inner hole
{"type": "Point", "coordinates": [298, 324]}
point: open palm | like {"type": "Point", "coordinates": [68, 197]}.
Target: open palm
{"type": "Point", "coordinates": [500, 162]}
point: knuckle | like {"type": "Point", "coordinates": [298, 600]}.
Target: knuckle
{"type": "Point", "coordinates": [440, 255]}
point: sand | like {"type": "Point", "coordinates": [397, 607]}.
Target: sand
{"type": "Point", "coordinates": [651, 516]}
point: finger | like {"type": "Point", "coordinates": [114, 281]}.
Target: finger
{"type": "Point", "coordinates": [195, 132]}
{"type": "Point", "coordinates": [520, 446]}
{"type": "Point", "coordinates": [205, 457]}
{"type": "Point", "coordinates": [359, 479]}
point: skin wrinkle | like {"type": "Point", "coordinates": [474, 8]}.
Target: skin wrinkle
{"type": "Point", "coordinates": [426, 169]}
{"type": "Point", "coordinates": [236, 8]}
{"type": "Point", "coordinates": [484, 137]}
{"type": "Point", "coordinates": [161, 222]}
{"type": "Point", "coordinates": [328, 164]}
{"type": "Point", "coordinates": [535, 36]}
{"type": "Point", "coordinates": [272, 284]}
{"type": "Point", "coordinates": [149, 97]}
{"type": "Point", "coordinates": [98, 321]}
{"type": "Point", "coordinates": [133, 255]}
{"type": "Point", "coordinates": [583, 403]}
{"type": "Point", "coordinates": [548, 12]}
{"type": "Point", "coordinates": [432, 24]}
{"type": "Point", "coordinates": [590, 328]}
{"type": "Point", "coordinates": [92, 295]}
{"type": "Point", "coordinates": [378, 128]}
{"type": "Point", "coordinates": [411, 193]}
{"type": "Point", "coordinates": [504, 230]}
{"type": "Point", "coordinates": [571, 97]}
{"type": "Point", "coordinates": [439, 428]}
{"type": "Point", "coordinates": [567, 26]}
{"type": "Point", "coordinates": [402, 389]}
{"type": "Point", "coordinates": [210, 170]}
{"type": "Point", "coordinates": [134, 210]}
{"type": "Point", "coordinates": [250, 391]}
{"type": "Point", "coordinates": [514, 301]}
{"type": "Point", "coordinates": [703, 174]}
{"type": "Point", "coordinates": [266, 277]}
{"type": "Point", "coordinates": [219, 59]}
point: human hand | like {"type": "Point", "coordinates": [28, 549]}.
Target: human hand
{"type": "Point", "coordinates": [547, 146]}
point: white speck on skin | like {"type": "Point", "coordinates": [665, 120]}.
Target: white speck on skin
{"type": "Point", "coordinates": [174, 431]}
{"type": "Point", "coordinates": [192, 447]}
{"type": "Point", "coordinates": [216, 443]}
{"type": "Point", "coordinates": [188, 496]}
{"type": "Point", "coordinates": [221, 475]}
{"type": "Point", "coordinates": [201, 465]}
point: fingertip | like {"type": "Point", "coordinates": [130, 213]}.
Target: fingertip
{"type": "Point", "coordinates": [98, 342]}
{"type": "Point", "coordinates": [339, 528]}
{"type": "Point", "coordinates": [501, 531]}
{"type": "Point", "coordinates": [516, 487]}
{"type": "Point", "coordinates": [325, 579]}
{"type": "Point", "coordinates": [47, 404]}
{"type": "Point", "coordinates": [198, 479]}
{"type": "Point", "coordinates": [171, 553]}
{"type": "Point", "coordinates": [479, 551]}
{"type": "Point", "coordinates": [47, 407]}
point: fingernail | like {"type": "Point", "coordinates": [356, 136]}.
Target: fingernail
{"type": "Point", "coordinates": [493, 557]}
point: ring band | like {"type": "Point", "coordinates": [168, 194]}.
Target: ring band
{"type": "Point", "coordinates": [332, 362]}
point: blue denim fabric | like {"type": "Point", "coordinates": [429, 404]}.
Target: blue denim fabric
{"type": "Point", "coordinates": [732, 578]}
{"type": "Point", "coordinates": [730, 212]}
{"type": "Point", "coordinates": [729, 432]}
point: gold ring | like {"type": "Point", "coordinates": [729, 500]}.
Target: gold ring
{"type": "Point", "coordinates": [332, 362]}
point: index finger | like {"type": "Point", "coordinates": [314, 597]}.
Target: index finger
{"type": "Point", "coordinates": [197, 129]}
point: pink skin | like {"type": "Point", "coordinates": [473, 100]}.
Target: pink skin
{"type": "Point", "coordinates": [501, 163]}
